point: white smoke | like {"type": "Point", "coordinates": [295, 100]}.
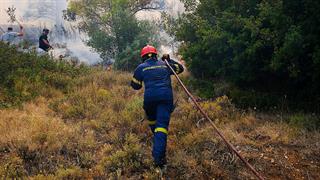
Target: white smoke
{"type": "Point", "coordinates": [37, 14]}
{"type": "Point", "coordinates": [172, 7]}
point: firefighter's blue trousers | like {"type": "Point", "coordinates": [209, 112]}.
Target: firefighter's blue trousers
{"type": "Point", "coordinates": [158, 113]}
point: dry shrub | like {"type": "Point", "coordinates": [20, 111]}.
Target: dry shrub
{"type": "Point", "coordinates": [103, 95]}
{"type": "Point", "coordinates": [247, 129]}
{"type": "Point", "coordinates": [150, 175]}
{"type": "Point", "coordinates": [183, 164]}
{"type": "Point", "coordinates": [93, 95]}
{"type": "Point", "coordinates": [83, 103]}
{"type": "Point", "coordinates": [43, 142]}
{"type": "Point", "coordinates": [50, 93]}
{"type": "Point", "coordinates": [221, 108]}
{"type": "Point", "coordinates": [131, 114]}
{"type": "Point", "coordinates": [122, 159]}
{"type": "Point", "coordinates": [32, 129]}
{"type": "Point", "coordinates": [102, 125]}
{"type": "Point", "coordinates": [184, 116]}
{"type": "Point", "coordinates": [105, 79]}
{"type": "Point", "coordinates": [70, 173]}
{"type": "Point", "coordinates": [43, 177]}
{"type": "Point", "coordinates": [12, 167]}
{"type": "Point", "coordinates": [201, 153]}
{"type": "Point", "coordinates": [277, 132]}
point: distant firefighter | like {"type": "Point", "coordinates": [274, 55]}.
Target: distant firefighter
{"type": "Point", "coordinates": [10, 36]}
{"type": "Point", "coordinates": [43, 41]}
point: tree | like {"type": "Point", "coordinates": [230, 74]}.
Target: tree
{"type": "Point", "coordinates": [258, 46]}
{"type": "Point", "coordinates": [113, 29]}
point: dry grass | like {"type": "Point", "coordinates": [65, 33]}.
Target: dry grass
{"type": "Point", "coordinates": [94, 131]}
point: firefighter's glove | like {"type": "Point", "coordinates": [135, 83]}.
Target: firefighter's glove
{"type": "Point", "coordinates": [166, 57]}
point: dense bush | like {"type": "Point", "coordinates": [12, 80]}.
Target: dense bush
{"type": "Point", "coordinates": [24, 76]}
{"type": "Point", "coordinates": [267, 47]}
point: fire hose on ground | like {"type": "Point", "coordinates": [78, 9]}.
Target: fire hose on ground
{"type": "Point", "coordinates": [248, 165]}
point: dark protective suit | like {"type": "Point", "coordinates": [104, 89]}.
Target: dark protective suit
{"type": "Point", "coordinates": [158, 100]}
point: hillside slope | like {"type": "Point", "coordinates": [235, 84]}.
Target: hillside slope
{"type": "Point", "coordinates": [94, 131]}
{"type": "Point", "coordinates": [91, 128]}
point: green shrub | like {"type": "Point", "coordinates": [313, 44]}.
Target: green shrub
{"type": "Point", "coordinates": [253, 99]}
{"type": "Point", "coordinates": [269, 47]}
{"type": "Point", "coordinates": [204, 89]}
{"type": "Point", "coordinates": [24, 76]}
{"type": "Point", "coordinates": [308, 122]}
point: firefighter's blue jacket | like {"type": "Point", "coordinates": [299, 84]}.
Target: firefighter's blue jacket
{"type": "Point", "coordinates": [158, 99]}
{"type": "Point", "coordinates": [156, 77]}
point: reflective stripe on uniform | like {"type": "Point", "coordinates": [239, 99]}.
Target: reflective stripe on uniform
{"type": "Point", "coordinates": [136, 81]}
{"type": "Point", "coordinates": [177, 68]}
{"type": "Point", "coordinates": [160, 129]}
{"type": "Point", "coordinates": [154, 67]}
{"type": "Point", "coordinates": [151, 122]}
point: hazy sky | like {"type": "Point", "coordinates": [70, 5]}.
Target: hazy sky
{"type": "Point", "coordinates": [27, 7]}
{"type": "Point", "coordinates": [23, 6]}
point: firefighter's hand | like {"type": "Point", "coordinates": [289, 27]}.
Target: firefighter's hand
{"type": "Point", "coordinates": [165, 57]}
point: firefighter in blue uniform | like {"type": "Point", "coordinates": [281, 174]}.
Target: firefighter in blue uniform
{"type": "Point", "coordinates": [158, 97]}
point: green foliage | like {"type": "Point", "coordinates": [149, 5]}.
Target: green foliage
{"type": "Point", "coordinates": [255, 99]}
{"type": "Point", "coordinates": [130, 58]}
{"type": "Point", "coordinates": [203, 88]}
{"type": "Point", "coordinates": [114, 31]}
{"type": "Point", "coordinates": [308, 122]}
{"type": "Point", "coordinates": [258, 46]}
{"type": "Point", "coordinates": [24, 76]}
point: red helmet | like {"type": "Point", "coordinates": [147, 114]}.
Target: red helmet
{"type": "Point", "coordinates": [148, 50]}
